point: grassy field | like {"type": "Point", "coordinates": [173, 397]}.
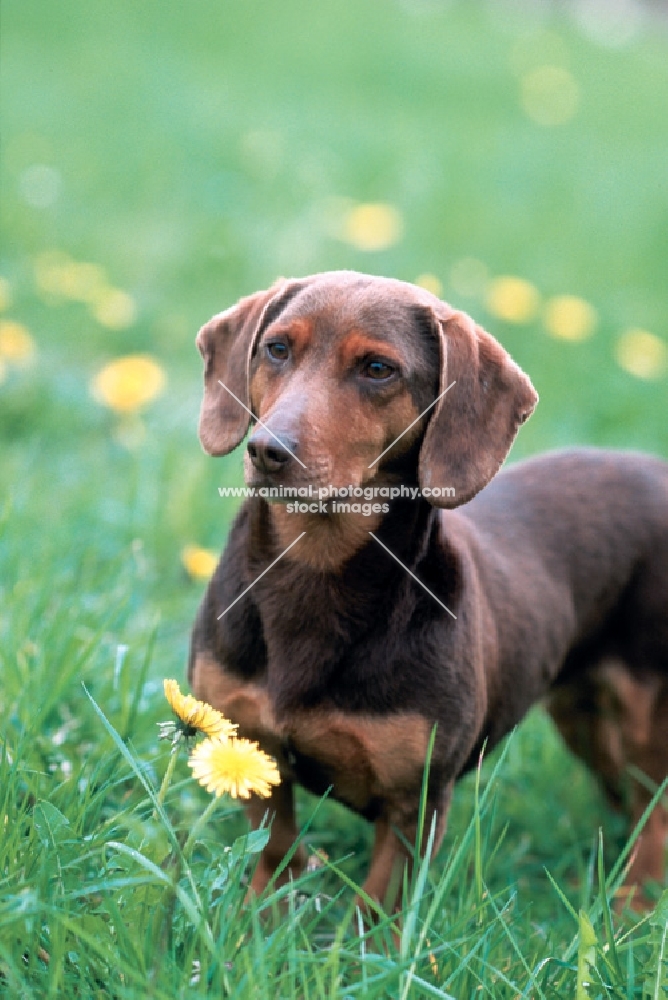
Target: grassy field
{"type": "Point", "coordinates": [158, 161]}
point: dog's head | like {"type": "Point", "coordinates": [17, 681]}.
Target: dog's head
{"type": "Point", "coordinates": [348, 375]}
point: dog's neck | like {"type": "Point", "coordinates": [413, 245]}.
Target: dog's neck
{"type": "Point", "coordinates": [328, 541]}
{"type": "Point", "coordinates": [316, 613]}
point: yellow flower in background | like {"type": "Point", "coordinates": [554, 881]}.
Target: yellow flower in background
{"type": "Point", "coordinates": [129, 383]}
{"type": "Point", "coordinates": [87, 280]}
{"type": "Point", "coordinates": [512, 299]}
{"type": "Point", "coordinates": [114, 308]}
{"type": "Point", "coordinates": [199, 563]}
{"type": "Point", "coordinates": [642, 354]}
{"type": "Point", "coordinates": [372, 226]}
{"type": "Point", "coordinates": [81, 281]}
{"type": "Point", "coordinates": [195, 715]}
{"type": "Point", "coordinates": [568, 317]}
{"type": "Point", "coordinates": [58, 276]}
{"type": "Point", "coordinates": [549, 95]}
{"type": "Point", "coordinates": [431, 283]}
{"type": "Point", "coordinates": [236, 766]}
{"type": "Point", "coordinates": [5, 294]}
{"type": "Point", "coordinates": [16, 344]}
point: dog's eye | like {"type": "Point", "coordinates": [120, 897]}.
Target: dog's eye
{"type": "Point", "coordinates": [277, 350]}
{"type": "Point", "coordinates": [378, 370]}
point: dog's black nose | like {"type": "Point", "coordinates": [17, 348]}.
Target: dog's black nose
{"type": "Point", "coordinates": [268, 453]}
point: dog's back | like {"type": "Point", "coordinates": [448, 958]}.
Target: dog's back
{"type": "Point", "coordinates": [593, 523]}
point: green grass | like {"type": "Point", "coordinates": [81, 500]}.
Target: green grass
{"type": "Point", "coordinates": [201, 149]}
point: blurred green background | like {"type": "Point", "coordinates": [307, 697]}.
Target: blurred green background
{"type": "Point", "coordinates": [160, 159]}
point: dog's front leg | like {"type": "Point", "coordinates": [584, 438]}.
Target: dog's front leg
{"type": "Point", "coordinates": [279, 810]}
{"type": "Point", "coordinates": [386, 861]}
{"type": "Point", "coordinates": [395, 848]}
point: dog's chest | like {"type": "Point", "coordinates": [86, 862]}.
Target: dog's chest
{"type": "Point", "coordinates": [363, 758]}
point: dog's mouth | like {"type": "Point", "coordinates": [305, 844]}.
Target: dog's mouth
{"type": "Point", "coordinates": [322, 489]}
{"type": "Point", "coordinates": [291, 482]}
{"type": "Point", "coordinates": [287, 490]}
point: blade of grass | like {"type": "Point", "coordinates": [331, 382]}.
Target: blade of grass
{"type": "Point", "coordinates": [587, 942]}
{"type": "Point", "coordinates": [607, 916]}
{"type": "Point", "coordinates": [446, 879]}
{"type": "Point", "coordinates": [617, 873]}
{"type": "Point", "coordinates": [511, 937]}
{"type": "Point", "coordinates": [424, 798]}
{"type": "Point", "coordinates": [129, 758]}
{"type": "Point", "coordinates": [621, 860]}
{"type": "Point", "coordinates": [561, 896]}
{"type": "Point", "coordinates": [661, 983]}
{"type": "Point", "coordinates": [477, 854]}
{"type": "Point", "coordinates": [410, 918]}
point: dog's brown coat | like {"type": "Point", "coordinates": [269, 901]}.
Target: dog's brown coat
{"type": "Point", "coordinates": [336, 660]}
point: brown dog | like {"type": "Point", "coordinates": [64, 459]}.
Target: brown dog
{"type": "Point", "coordinates": [383, 620]}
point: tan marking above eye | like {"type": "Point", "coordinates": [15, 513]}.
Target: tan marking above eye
{"type": "Point", "coordinates": [298, 335]}
{"type": "Point", "coordinates": [357, 345]}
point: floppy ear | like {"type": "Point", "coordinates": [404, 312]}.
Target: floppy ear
{"type": "Point", "coordinates": [226, 343]}
{"type": "Point", "coordinates": [475, 423]}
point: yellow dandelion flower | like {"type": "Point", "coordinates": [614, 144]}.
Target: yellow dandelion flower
{"type": "Point", "coordinates": [195, 715]}
{"type": "Point", "coordinates": [372, 226]}
{"type": "Point", "coordinates": [114, 308]}
{"type": "Point", "coordinates": [550, 95]}
{"type": "Point", "coordinates": [5, 294]}
{"type": "Point", "coordinates": [198, 563]}
{"type": "Point", "coordinates": [512, 299]}
{"type": "Point", "coordinates": [128, 384]}
{"type": "Point", "coordinates": [568, 317]}
{"type": "Point", "coordinates": [642, 354]}
{"type": "Point", "coordinates": [236, 766]}
{"type": "Point", "coordinates": [79, 281]}
{"type": "Point", "coordinates": [431, 283]}
{"type": "Point", "coordinates": [16, 344]}
{"type": "Point", "coordinates": [56, 274]}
